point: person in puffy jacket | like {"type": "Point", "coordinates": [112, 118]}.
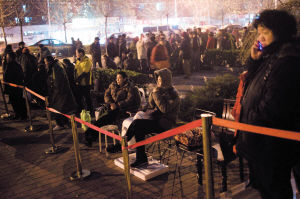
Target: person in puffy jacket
{"type": "Point", "coordinates": [121, 97]}
{"type": "Point", "coordinates": [271, 99]}
{"type": "Point", "coordinates": [164, 102]}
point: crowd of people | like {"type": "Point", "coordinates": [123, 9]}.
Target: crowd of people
{"type": "Point", "coordinates": [269, 93]}
{"type": "Point", "coordinates": [181, 52]}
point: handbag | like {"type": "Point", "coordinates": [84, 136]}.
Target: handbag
{"type": "Point", "coordinates": [192, 139]}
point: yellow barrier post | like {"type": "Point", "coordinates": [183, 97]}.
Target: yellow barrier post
{"type": "Point", "coordinates": [80, 173]}
{"type": "Point", "coordinates": [53, 149]}
{"type": "Point", "coordinates": [126, 166]}
{"type": "Point", "coordinates": [6, 115]}
{"type": "Point", "coordinates": [29, 128]}
{"type": "Point", "coordinates": [206, 129]}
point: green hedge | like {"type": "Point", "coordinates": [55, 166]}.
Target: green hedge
{"type": "Point", "coordinates": [209, 97]}
{"type": "Point", "coordinates": [107, 76]}
{"type": "Point", "coordinates": [216, 57]}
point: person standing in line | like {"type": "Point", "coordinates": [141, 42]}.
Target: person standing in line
{"type": "Point", "coordinates": [95, 50]}
{"type": "Point", "coordinates": [14, 74]}
{"type": "Point", "coordinates": [111, 48]}
{"type": "Point", "coordinates": [185, 53]}
{"type": "Point", "coordinates": [60, 95]}
{"type": "Point", "coordinates": [141, 53]}
{"type": "Point", "coordinates": [20, 50]}
{"type": "Point", "coordinates": [271, 99]}
{"type": "Point", "coordinates": [28, 63]}
{"type": "Point", "coordinates": [43, 53]}
{"type": "Point", "coordinates": [83, 79]}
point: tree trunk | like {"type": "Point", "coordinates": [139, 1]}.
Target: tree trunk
{"type": "Point", "coordinates": [21, 29]}
{"type": "Point", "coordinates": [65, 29]}
{"type": "Point", "coordinates": [4, 35]}
{"type": "Point", "coordinates": [106, 33]}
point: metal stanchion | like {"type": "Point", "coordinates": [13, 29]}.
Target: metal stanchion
{"type": "Point", "coordinates": [206, 129]}
{"type": "Point", "coordinates": [100, 142]}
{"type": "Point", "coordinates": [126, 167]}
{"type": "Point", "coordinates": [80, 173]}
{"type": "Point", "coordinates": [6, 115]}
{"type": "Point", "coordinates": [29, 128]}
{"type": "Point", "coordinates": [53, 149]}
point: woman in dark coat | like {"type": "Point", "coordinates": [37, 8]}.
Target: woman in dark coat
{"type": "Point", "coordinates": [60, 95]}
{"type": "Point", "coordinates": [271, 99]}
{"type": "Point", "coordinates": [14, 74]}
{"type": "Point", "coordinates": [164, 101]}
{"type": "Point", "coordinates": [121, 97]}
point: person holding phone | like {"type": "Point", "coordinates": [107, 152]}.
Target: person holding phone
{"type": "Point", "coordinates": [271, 99]}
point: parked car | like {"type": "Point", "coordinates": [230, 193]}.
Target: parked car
{"type": "Point", "coordinates": [230, 27]}
{"type": "Point", "coordinates": [56, 47]}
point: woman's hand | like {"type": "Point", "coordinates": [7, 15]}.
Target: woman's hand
{"type": "Point", "coordinates": [255, 52]}
{"type": "Point", "coordinates": [113, 106]}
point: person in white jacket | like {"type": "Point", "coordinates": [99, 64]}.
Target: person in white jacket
{"type": "Point", "coordinates": [142, 53]}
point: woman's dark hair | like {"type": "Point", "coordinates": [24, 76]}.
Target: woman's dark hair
{"type": "Point", "coordinates": [8, 48]}
{"type": "Point", "coordinates": [67, 61]}
{"type": "Point", "coordinates": [80, 50]}
{"type": "Point", "coordinates": [12, 55]}
{"type": "Point", "coordinates": [123, 74]}
{"type": "Point", "coordinates": [50, 59]}
{"type": "Point", "coordinates": [280, 22]}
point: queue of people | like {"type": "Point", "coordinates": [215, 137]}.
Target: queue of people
{"type": "Point", "coordinates": [269, 96]}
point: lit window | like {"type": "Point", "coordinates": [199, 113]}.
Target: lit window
{"type": "Point", "coordinates": [24, 8]}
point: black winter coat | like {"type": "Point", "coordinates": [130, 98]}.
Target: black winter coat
{"type": "Point", "coordinates": [60, 95]}
{"type": "Point", "coordinates": [13, 74]}
{"type": "Point", "coordinates": [29, 67]}
{"type": "Point", "coordinates": [271, 99]}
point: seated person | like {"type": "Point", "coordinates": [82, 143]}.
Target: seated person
{"type": "Point", "coordinates": [121, 97]}
{"type": "Point", "coordinates": [164, 101]}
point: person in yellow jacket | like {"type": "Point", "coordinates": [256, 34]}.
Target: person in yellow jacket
{"type": "Point", "coordinates": [83, 79]}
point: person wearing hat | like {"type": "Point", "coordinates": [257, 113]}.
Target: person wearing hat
{"type": "Point", "coordinates": [96, 53]}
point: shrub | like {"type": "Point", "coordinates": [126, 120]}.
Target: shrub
{"type": "Point", "coordinates": [107, 76]}
{"type": "Point", "coordinates": [209, 97]}
{"type": "Point", "coordinates": [216, 57]}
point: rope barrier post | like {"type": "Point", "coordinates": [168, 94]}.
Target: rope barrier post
{"type": "Point", "coordinates": [80, 173]}
{"type": "Point", "coordinates": [29, 128]}
{"type": "Point", "coordinates": [206, 129]}
{"type": "Point", "coordinates": [126, 166]}
{"type": "Point", "coordinates": [53, 149]}
{"type": "Point", "coordinates": [100, 142]}
{"type": "Point", "coordinates": [7, 114]}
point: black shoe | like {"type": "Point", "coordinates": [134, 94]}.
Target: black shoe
{"type": "Point", "coordinates": [88, 143]}
{"type": "Point", "coordinates": [114, 148]}
{"type": "Point", "coordinates": [139, 163]}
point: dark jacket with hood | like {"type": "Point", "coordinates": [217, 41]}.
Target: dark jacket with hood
{"type": "Point", "coordinates": [271, 99]}
{"type": "Point", "coordinates": [60, 95]}
{"type": "Point", "coordinates": [44, 52]}
{"type": "Point", "coordinates": [165, 100]}
{"type": "Point", "coordinates": [126, 97]}
{"type": "Point", "coordinates": [29, 67]}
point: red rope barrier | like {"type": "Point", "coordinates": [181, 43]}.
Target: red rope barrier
{"type": "Point", "coordinates": [11, 84]}
{"type": "Point", "coordinates": [36, 94]}
{"type": "Point", "coordinates": [89, 125]}
{"type": "Point", "coordinates": [292, 135]}
{"type": "Point", "coordinates": [169, 133]}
